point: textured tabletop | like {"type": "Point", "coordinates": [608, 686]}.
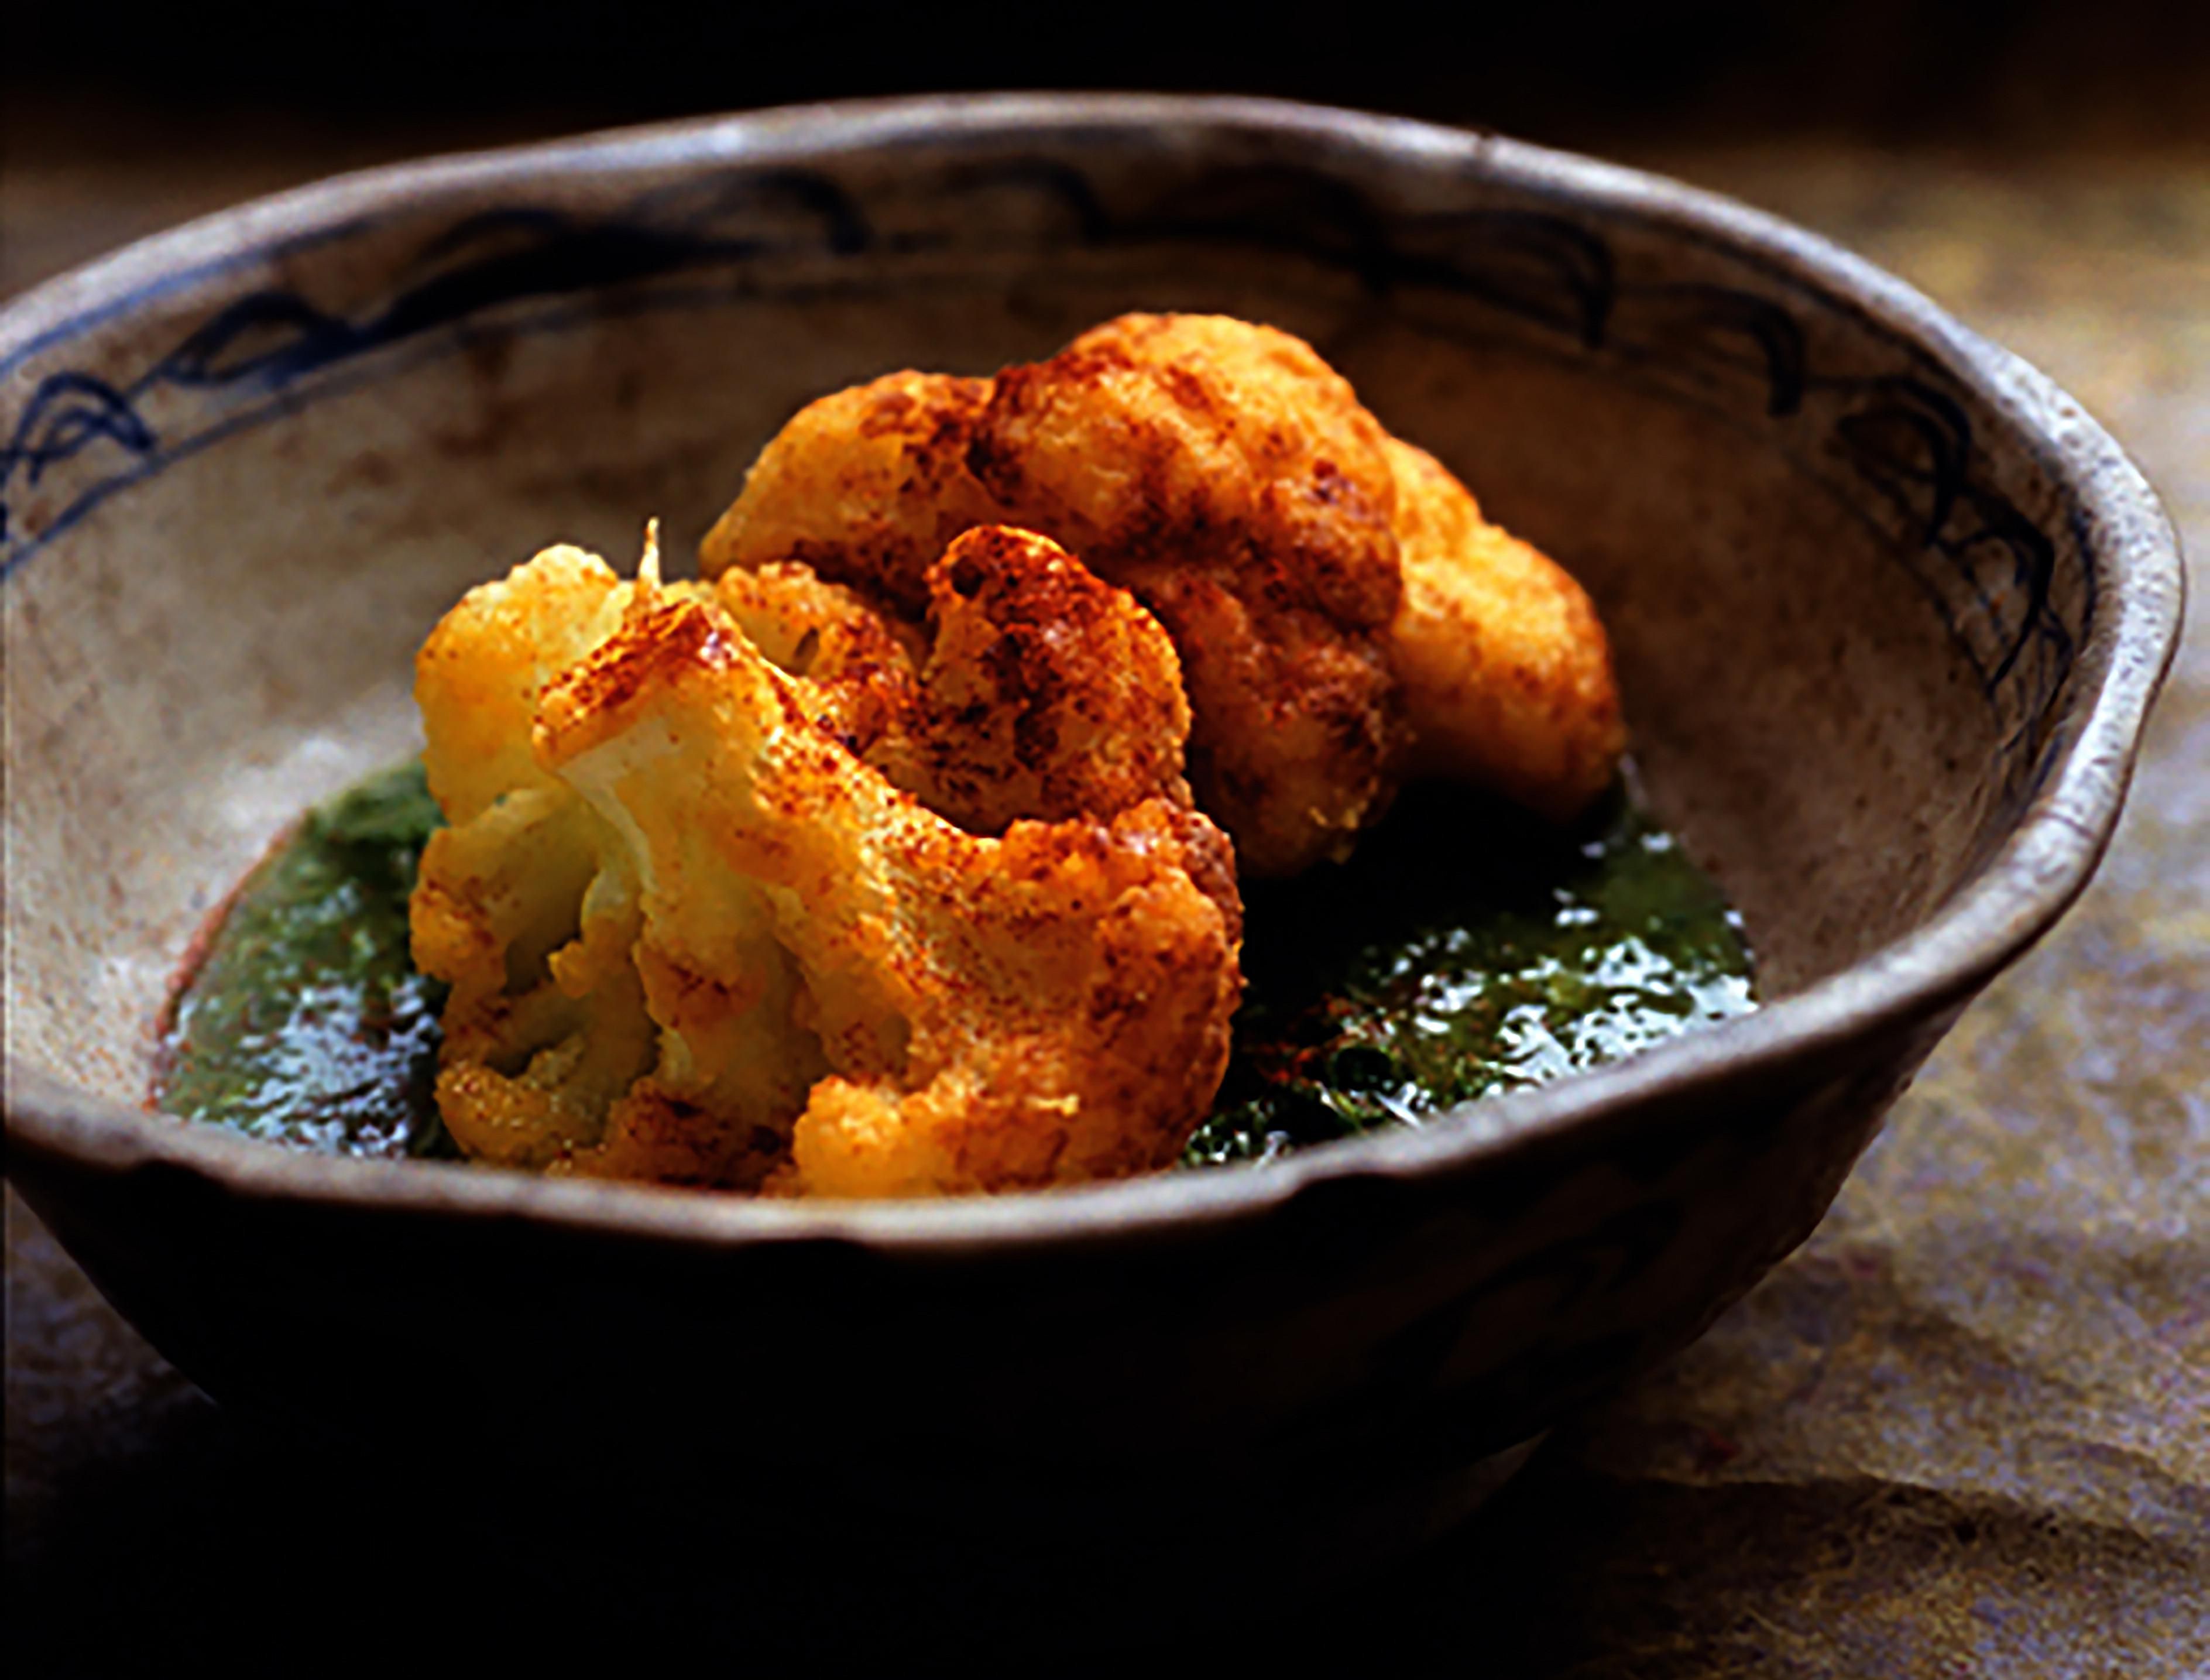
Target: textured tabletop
{"type": "Point", "coordinates": [1966, 1430]}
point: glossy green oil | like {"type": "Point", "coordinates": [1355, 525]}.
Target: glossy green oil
{"type": "Point", "coordinates": [306, 1022]}
{"type": "Point", "coordinates": [1465, 950]}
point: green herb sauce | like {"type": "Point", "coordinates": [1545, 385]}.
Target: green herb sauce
{"type": "Point", "coordinates": [1466, 950]}
{"type": "Point", "coordinates": [305, 1022]}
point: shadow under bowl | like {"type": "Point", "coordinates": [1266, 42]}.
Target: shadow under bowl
{"type": "Point", "coordinates": [1889, 608]}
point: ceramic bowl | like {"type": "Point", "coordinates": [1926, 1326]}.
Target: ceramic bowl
{"type": "Point", "coordinates": [1889, 610]}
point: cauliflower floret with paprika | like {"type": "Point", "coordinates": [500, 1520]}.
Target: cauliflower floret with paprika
{"type": "Point", "coordinates": [561, 1050]}
{"type": "Point", "coordinates": [775, 967]}
{"type": "Point", "coordinates": [1345, 617]}
{"type": "Point", "coordinates": [1220, 472]}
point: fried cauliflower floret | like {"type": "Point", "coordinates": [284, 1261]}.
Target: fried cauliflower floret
{"type": "Point", "coordinates": [1048, 1007]}
{"type": "Point", "coordinates": [1044, 692]}
{"type": "Point", "coordinates": [555, 1052]}
{"type": "Point", "coordinates": [700, 940]}
{"type": "Point", "coordinates": [498, 889]}
{"type": "Point", "coordinates": [1507, 671]}
{"type": "Point", "coordinates": [1220, 472]}
{"type": "Point", "coordinates": [866, 486]}
{"type": "Point", "coordinates": [1229, 478]}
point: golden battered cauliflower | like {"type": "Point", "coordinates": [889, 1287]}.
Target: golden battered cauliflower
{"type": "Point", "coordinates": [1302, 559]}
{"type": "Point", "coordinates": [697, 940]}
{"type": "Point", "coordinates": [526, 905]}
{"type": "Point", "coordinates": [1220, 472]}
{"type": "Point", "coordinates": [1228, 477]}
{"type": "Point", "coordinates": [1506, 669]}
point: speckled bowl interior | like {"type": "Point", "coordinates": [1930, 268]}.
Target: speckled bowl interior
{"type": "Point", "coordinates": [1888, 611]}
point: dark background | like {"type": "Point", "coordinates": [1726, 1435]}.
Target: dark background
{"type": "Point", "coordinates": [2038, 74]}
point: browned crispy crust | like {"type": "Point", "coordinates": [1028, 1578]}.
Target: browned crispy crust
{"type": "Point", "coordinates": [1220, 471]}
{"type": "Point", "coordinates": [1343, 615]}
{"type": "Point", "coordinates": [1229, 478]}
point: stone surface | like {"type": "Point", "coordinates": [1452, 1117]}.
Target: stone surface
{"type": "Point", "coordinates": [1966, 1430]}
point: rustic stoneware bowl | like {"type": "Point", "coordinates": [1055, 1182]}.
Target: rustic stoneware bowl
{"type": "Point", "coordinates": [1889, 610]}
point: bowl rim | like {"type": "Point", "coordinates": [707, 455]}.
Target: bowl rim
{"type": "Point", "coordinates": [1985, 923]}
